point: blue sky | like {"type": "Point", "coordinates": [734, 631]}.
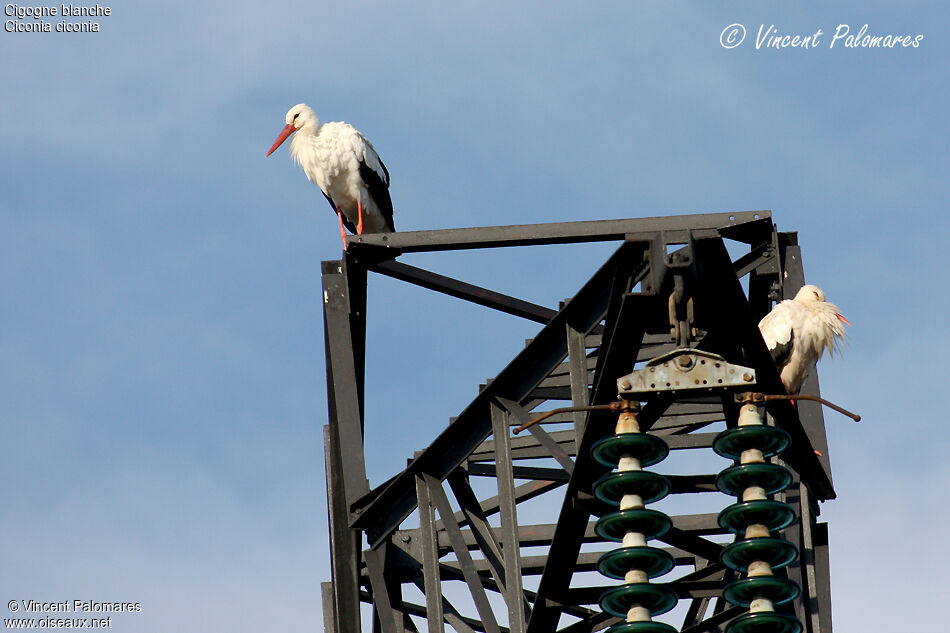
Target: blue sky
{"type": "Point", "coordinates": [162, 382]}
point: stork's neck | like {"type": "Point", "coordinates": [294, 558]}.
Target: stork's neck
{"type": "Point", "coordinates": [300, 140]}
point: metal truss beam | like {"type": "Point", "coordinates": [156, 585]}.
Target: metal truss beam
{"type": "Point", "coordinates": [676, 226]}
{"type": "Point", "coordinates": [618, 319]}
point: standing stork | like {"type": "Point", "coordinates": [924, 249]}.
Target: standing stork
{"type": "Point", "coordinates": [798, 331]}
{"type": "Point", "coordinates": [337, 158]}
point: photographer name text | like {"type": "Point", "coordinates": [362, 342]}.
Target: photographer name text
{"type": "Point", "coordinates": [73, 606]}
{"type": "Point", "coordinates": [843, 37]}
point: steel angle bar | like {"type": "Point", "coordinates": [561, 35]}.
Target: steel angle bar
{"type": "Point", "coordinates": [683, 484]}
{"type": "Point", "coordinates": [385, 593]}
{"type": "Point", "coordinates": [754, 259]}
{"type": "Point", "coordinates": [343, 335]}
{"type": "Point", "coordinates": [671, 428]}
{"type": "Point", "coordinates": [432, 583]}
{"type": "Point", "coordinates": [528, 536]}
{"type": "Point", "coordinates": [810, 413]}
{"type": "Point", "coordinates": [528, 446]}
{"type": "Point", "coordinates": [692, 543]}
{"type": "Point", "coordinates": [516, 381]}
{"type": "Point", "coordinates": [622, 337]}
{"type": "Point", "coordinates": [514, 593]}
{"type": "Point", "coordinates": [586, 561]}
{"type": "Point", "coordinates": [477, 521]}
{"type": "Point", "coordinates": [542, 436]}
{"type": "Point", "coordinates": [543, 533]}
{"type": "Point", "coordinates": [344, 544]}
{"type": "Point", "coordinates": [765, 280]}
{"type": "Point", "coordinates": [481, 469]}
{"type": "Point", "coordinates": [559, 232]}
{"type": "Point", "coordinates": [698, 606]}
{"type": "Point", "coordinates": [823, 577]}
{"type": "Point", "coordinates": [713, 571]}
{"type": "Point", "coordinates": [751, 232]}
{"type": "Point", "coordinates": [733, 332]}
{"type": "Point", "coordinates": [697, 589]}
{"type": "Point", "coordinates": [580, 379]}
{"type": "Point", "coordinates": [698, 523]}
{"type": "Point", "coordinates": [465, 291]}
{"type": "Point", "coordinates": [685, 442]}
{"type": "Point", "coordinates": [454, 534]}
{"type": "Point", "coordinates": [329, 612]}
{"type": "Point", "coordinates": [455, 619]}
{"type": "Point", "coordinates": [523, 492]}
{"type": "Point", "coordinates": [598, 621]}
{"type": "Point", "coordinates": [715, 622]}
{"type": "Point", "coordinates": [452, 571]}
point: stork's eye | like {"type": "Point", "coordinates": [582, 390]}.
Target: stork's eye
{"type": "Point", "coordinates": [296, 115]}
{"type": "Point", "coordinates": [816, 294]}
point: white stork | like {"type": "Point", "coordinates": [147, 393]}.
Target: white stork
{"type": "Point", "coordinates": [798, 331]}
{"type": "Point", "coordinates": [339, 160]}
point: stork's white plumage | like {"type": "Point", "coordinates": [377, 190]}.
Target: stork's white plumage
{"type": "Point", "coordinates": [337, 158]}
{"type": "Point", "coordinates": [798, 331]}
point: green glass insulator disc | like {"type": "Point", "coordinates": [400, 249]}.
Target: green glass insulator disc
{"type": "Point", "coordinates": [768, 439]}
{"type": "Point", "coordinates": [657, 598]}
{"type": "Point", "coordinates": [775, 551]}
{"type": "Point", "coordinates": [779, 590]}
{"type": "Point", "coordinates": [765, 622]}
{"type": "Point", "coordinates": [774, 515]}
{"type": "Point", "coordinates": [650, 523]}
{"type": "Point", "coordinates": [649, 449]}
{"type": "Point", "coordinates": [642, 627]}
{"type": "Point", "coordinates": [649, 486]}
{"type": "Point", "coordinates": [735, 479]}
{"type": "Point", "coordinates": [652, 560]}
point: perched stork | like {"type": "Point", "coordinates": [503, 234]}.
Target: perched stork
{"type": "Point", "coordinates": [798, 331]}
{"type": "Point", "coordinates": [339, 160]}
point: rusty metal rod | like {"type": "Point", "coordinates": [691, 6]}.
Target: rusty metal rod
{"type": "Point", "coordinates": [843, 411]}
{"type": "Point", "coordinates": [620, 405]}
{"type": "Point", "coordinates": [761, 397]}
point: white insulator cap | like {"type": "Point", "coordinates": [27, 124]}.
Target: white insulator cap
{"type": "Point", "coordinates": [759, 568]}
{"type": "Point", "coordinates": [749, 415]}
{"type": "Point", "coordinates": [634, 539]}
{"type": "Point", "coordinates": [753, 493]}
{"type": "Point", "coordinates": [760, 604]}
{"type": "Point", "coordinates": [631, 501]}
{"type": "Point", "coordinates": [636, 575]}
{"type": "Point", "coordinates": [638, 614]}
{"type": "Point", "coordinates": [756, 530]}
{"type": "Point", "coordinates": [628, 463]}
{"type": "Point", "coordinates": [752, 456]}
{"type": "Point", "coordinates": [627, 423]}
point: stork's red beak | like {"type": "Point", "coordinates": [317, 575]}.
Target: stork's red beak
{"type": "Point", "coordinates": [287, 131]}
{"type": "Point", "coordinates": [843, 320]}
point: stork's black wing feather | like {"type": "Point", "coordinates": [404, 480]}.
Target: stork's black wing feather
{"type": "Point", "coordinates": [379, 190]}
{"type": "Point", "coordinates": [782, 351]}
{"type": "Point", "coordinates": [349, 225]}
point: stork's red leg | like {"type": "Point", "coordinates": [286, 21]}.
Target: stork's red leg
{"type": "Point", "coordinates": [359, 224]}
{"type": "Point", "coordinates": [786, 389]}
{"type": "Point", "coordinates": [339, 216]}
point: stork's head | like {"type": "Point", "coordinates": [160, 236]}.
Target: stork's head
{"type": "Point", "coordinates": [814, 297]}
{"type": "Point", "coordinates": [299, 116]}
{"type": "Point", "coordinates": [810, 294]}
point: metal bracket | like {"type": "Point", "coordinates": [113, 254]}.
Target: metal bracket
{"type": "Point", "coordinates": [685, 369]}
{"type": "Point", "coordinates": [757, 398]}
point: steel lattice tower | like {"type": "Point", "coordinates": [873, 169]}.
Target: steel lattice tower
{"type": "Point", "coordinates": [670, 285]}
